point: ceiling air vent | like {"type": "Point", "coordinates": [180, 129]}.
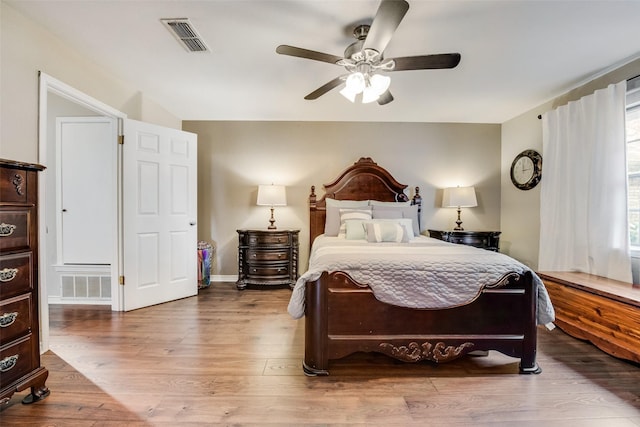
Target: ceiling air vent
{"type": "Point", "coordinates": [184, 32]}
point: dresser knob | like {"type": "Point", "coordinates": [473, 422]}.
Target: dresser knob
{"type": "Point", "coordinates": [8, 362]}
{"type": "Point", "coordinates": [8, 274]}
{"type": "Point", "coordinates": [8, 319]}
{"type": "Point", "coordinates": [6, 229]}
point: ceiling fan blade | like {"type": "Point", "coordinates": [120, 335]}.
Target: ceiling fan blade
{"type": "Point", "coordinates": [427, 62]}
{"type": "Point", "coordinates": [325, 88]}
{"type": "Point", "coordinates": [284, 49]}
{"type": "Point", "coordinates": [387, 19]}
{"type": "Point", "coordinates": [385, 98]}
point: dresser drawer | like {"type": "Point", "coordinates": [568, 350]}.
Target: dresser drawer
{"type": "Point", "coordinates": [15, 318]}
{"type": "Point", "coordinates": [269, 239]}
{"type": "Point", "coordinates": [16, 360]}
{"type": "Point", "coordinates": [272, 271]}
{"type": "Point", "coordinates": [14, 229]}
{"type": "Point", "coordinates": [262, 255]}
{"type": "Point", "coordinates": [13, 185]}
{"type": "Point", "coordinates": [16, 274]}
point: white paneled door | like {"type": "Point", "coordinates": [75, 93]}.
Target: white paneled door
{"type": "Point", "coordinates": [159, 210]}
{"type": "Point", "coordinates": [86, 186]}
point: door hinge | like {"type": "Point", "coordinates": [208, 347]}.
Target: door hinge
{"type": "Point", "coordinates": [121, 139]}
{"type": "Point", "coordinates": [121, 280]}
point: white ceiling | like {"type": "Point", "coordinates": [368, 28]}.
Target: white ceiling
{"type": "Point", "coordinates": [516, 55]}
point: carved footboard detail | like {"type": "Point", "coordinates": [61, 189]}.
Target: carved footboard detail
{"type": "Point", "coordinates": [414, 352]}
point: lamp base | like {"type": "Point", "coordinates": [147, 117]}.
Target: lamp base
{"type": "Point", "coordinates": [272, 222]}
{"type": "Point", "coordinates": [459, 223]}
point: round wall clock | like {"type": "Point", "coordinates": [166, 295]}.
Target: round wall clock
{"type": "Point", "coordinates": [526, 169]}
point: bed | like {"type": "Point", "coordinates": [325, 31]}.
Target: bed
{"type": "Point", "coordinates": [340, 294]}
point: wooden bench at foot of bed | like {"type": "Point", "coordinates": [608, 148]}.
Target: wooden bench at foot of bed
{"type": "Point", "coordinates": [603, 311]}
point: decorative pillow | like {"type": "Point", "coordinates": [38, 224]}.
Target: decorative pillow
{"type": "Point", "coordinates": [349, 215]}
{"type": "Point", "coordinates": [379, 203]}
{"type": "Point", "coordinates": [386, 231]}
{"type": "Point", "coordinates": [410, 211]}
{"type": "Point", "coordinates": [355, 230]}
{"type": "Point", "coordinates": [332, 222]}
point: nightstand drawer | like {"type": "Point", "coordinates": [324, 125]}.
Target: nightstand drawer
{"type": "Point", "coordinates": [268, 271]}
{"type": "Point", "coordinates": [269, 239]}
{"type": "Point", "coordinates": [16, 274]}
{"type": "Point", "coordinates": [15, 318]}
{"type": "Point", "coordinates": [477, 241]}
{"type": "Point", "coordinates": [489, 240]}
{"type": "Point", "coordinates": [262, 255]}
{"type": "Point", "coordinates": [14, 229]}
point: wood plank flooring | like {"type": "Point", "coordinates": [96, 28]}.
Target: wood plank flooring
{"type": "Point", "coordinates": [234, 358]}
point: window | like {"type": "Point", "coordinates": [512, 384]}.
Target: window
{"type": "Point", "coordinates": [633, 160]}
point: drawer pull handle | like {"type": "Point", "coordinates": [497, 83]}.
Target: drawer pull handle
{"type": "Point", "coordinates": [7, 229]}
{"type": "Point", "coordinates": [8, 274]}
{"type": "Point", "coordinates": [253, 255]}
{"type": "Point", "coordinates": [8, 319]}
{"type": "Point", "coordinates": [8, 362]}
{"type": "Point", "coordinates": [254, 270]}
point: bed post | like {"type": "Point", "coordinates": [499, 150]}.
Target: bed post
{"type": "Point", "coordinates": [528, 363]}
{"type": "Point", "coordinates": [316, 359]}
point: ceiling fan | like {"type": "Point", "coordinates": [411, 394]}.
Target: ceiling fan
{"type": "Point", "coordinates": [364, 59]}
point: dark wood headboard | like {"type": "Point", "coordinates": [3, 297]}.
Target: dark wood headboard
{"type": "Point", "coordinates": [364, 180]}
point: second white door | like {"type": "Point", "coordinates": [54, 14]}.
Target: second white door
{"type": "Point", "coordinates": [159, 199]}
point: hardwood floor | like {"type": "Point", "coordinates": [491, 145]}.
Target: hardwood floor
{"type": "Point", "coordinates": [228, 357]}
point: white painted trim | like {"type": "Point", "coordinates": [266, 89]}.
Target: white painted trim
{"type": "Point", "coordinates": [48, 84]}
{"type": "Point", "coordinates": [61, 301]}
{"type": "Point", "coordinates": [224, 278]}
{"type": "Point", "coordinates": [84, 269]}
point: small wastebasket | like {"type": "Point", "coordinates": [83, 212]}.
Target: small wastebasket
{"type": "Point", "coordinates": [205, 255]}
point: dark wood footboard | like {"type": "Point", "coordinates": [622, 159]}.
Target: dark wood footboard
{"type": "Point", "coordinates": [344, 317]}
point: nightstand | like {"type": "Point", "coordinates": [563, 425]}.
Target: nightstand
{"type": "Point", "coordinates": [489, 240]}
{"type": "Point", "coordinates": [267, 258]}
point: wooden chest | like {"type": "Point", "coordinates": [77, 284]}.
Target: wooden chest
{"type": "Point", "coordinates": [267, 257]}
{"type": "Point", "coordinates": [19, 325]}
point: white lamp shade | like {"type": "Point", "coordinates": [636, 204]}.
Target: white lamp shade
{"type": "Point", "coordinates": [355, 82]}
{"type": "Point", "coordinates": [369, 95]}
{"type": "Point", "coordinates": [380, 83]}
{"type": "Point", "coordinates": [459, 197]}
{"type": "Point", "coordinates": [272, 195]}
{"type": "Point", "coordinates": [351, 96]}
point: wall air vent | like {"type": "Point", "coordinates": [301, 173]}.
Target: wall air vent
{"type": "Point", "coordinates": [184, 32]}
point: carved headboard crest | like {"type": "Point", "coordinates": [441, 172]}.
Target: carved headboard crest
{"type": "Point", "coordinates": [364, 180]}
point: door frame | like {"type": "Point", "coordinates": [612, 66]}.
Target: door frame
{"type": "Point", "coordinates": [49, 84]}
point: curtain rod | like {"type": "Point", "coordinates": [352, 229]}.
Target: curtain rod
{"type": "Point", "coordinates": [628, 80]}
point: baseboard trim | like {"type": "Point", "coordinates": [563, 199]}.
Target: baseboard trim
{"type": "Point", "coordinates": [224, 278]}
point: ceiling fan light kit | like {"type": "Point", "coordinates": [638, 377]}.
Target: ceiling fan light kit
{"type": "Point", "coordinates": [370, 86]}
{"type": "Point", "coordinates": [364, 60]}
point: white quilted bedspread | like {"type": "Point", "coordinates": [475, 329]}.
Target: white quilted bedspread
{"type": "Point", "coordinates": [425, 273]}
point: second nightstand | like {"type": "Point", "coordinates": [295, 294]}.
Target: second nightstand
{"type": "Point", "coordinates": [267, 257]}
{"type": "Point", "coordinates": [489, 240]}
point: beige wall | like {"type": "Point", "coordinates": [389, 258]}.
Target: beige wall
{"type": "Point", "coordinates": [520, 219]}
{"type": "Point", "coordinates": [25, 49]}
{"type": "Point", "coordinates": [234, 157]}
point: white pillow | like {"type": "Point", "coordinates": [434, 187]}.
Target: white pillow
{"type": "Point", "coordinates": [355, 230]}
{"type": "Point", "coordinates": [349, 215]}
{"type": "Point", "coordinates": [332, 221]}
{"type": "Point", "coordinates": [386, 231]}
{"type": "Point", "coordinates": [409, 211]}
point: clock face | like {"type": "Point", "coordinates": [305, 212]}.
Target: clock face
{"type": "Point", "coordinates": [526, 170]}
{"type": "Point", "coordinates": [523, 170]}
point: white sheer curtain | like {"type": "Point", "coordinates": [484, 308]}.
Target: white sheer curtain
{"type": "Point", "coordinates": [583, 196]}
